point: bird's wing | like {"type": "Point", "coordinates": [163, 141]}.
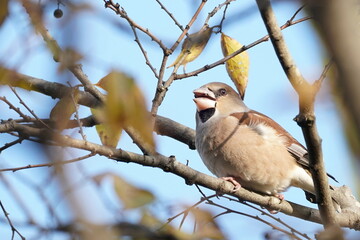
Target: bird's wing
{"type": "Point", "coordinates": [296, 149]}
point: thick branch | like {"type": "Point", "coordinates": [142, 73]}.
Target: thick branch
{"type": "Point", "coordinates": [191, 176]}
{"type": "Point", "coordinates": [306, 117]}
{"type": "Point", "coordinates": [163, 126]}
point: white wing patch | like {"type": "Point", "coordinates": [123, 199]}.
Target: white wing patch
{"type": "Point", "coordinates": [267, 132]}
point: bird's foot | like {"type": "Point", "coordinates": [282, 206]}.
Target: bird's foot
{"type": "Point", "coordinates": [236, 184]}
{"type": "Point", "coordinates": [280, 196]}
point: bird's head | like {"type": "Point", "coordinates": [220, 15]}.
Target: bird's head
{"type": "Point", "coordinates": [217, 97]}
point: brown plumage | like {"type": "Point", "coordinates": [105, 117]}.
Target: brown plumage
{"type": "Point", "coordinates": [247, 147]}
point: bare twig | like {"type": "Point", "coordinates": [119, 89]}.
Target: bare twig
{"type": "Point", "coordinates": [216, 9]}
{"type": "Point", "coordinates": [39, 188]}
{"type": "Point", "coordinates": [317, 84]}
{"type": "Point", "coordinates": [122, 13]}
{"type": "Point", "coordinates": [13, 229]}
{"type": "Point", "coordinates": [147, 61]}
{"type": "Point", "coordinates": [47, 164]}
{"type": "Point", "coordinates": [293, 230]}
{"type": "Point", "coordinates": [188, 26]}
{"type": "Point", "coordinates": [170, 15]}
{"type": "Point", "coordinates": [8, 145]}
{"type": "Point", "coordinates": [26, 106]}
{"type": "Point", "coordinates": [18, 199]}
{"type": "Point", "coordinates": [256, 217]}
{"type": "Point", "coordinates": [162, 87]}
{"type": "Point", "coordinates": [17, 110]}
{"type": "Point", "coordinates": [296, 13]}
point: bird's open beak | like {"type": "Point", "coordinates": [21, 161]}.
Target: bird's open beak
{"type": "Point", "coordinates": [204, 98]}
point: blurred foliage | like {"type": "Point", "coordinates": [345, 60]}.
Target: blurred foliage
{"type": "Point", "coordinates": [4, 11]}
{"type": "Point", "coordinates": [64, 109]}
{"type": "Point", "coordinates": [124, 107]}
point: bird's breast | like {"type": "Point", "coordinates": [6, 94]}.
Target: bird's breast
{"type": "Point", "coordinates": [230, 149]}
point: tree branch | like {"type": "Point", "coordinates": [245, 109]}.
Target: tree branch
{"type": "Point", "coordinates": [163, 126]}
{"type": "Point", "coordinates": [306, 117]}
{"type": "Point", "coordinates": [288, 23]}
{"type": "Point", "coordinates": [191, 176]}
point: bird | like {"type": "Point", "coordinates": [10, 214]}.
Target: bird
{"type": "Point", "coordinates": [246, 147]}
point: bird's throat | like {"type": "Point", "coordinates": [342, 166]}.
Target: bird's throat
{"type": "Point", "coordinates": [206, 114]}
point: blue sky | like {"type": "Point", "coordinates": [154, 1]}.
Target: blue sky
{"type": "Point", "coordinates": [107, 43]}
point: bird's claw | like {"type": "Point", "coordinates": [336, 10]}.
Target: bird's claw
{"type": "Point", "coordinates": [236, 184]}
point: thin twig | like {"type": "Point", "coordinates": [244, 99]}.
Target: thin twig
{"type": "Point", "coordinates": [229, 210]}
{"type": "Point", "coordinates": [13, 229]}
{"type": "Point", "coordinates": [147, 61]}
{"type": "Point", "coordinates": [170, 15]}
{"type": "Point", "coordinates": [296, 13]}
{"type": "Point", "coordinates": [17, 110]}
{"type": "Point", "coordinates": [26, 106]}
{"type": "Point", "coordinates": [10, 144]}
{"type": "Point", "coordinates": [52, 164]}
{"type": "Point", "coordinates": [122, 13]}
{"type": "Point", "coordinates": [293, 230]}
{"type": "Point", "coordinates": [188, 26]}
{"type": "Point", "coordinates": [162, 87]}
{"type": "Point", "coordinates": [19, 200]}
{"type": "Point", "coordinates": [39, 188]}
{"type": "Point", "coordinates": [216, 9]}
{"type": "Point", "coordinates": [317, 84]}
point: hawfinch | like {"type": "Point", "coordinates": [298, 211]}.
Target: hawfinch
{"type": "Point", "coordinates": [246, 147]}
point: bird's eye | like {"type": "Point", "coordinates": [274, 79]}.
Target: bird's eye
{"type": "Point", "coordinates": [222, 92]}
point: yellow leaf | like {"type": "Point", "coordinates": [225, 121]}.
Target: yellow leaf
{"type": "Point", "coordinates": [238, 66]}
{"type": "Point", "coordinates": [125, 107]}
{"type": "Point", "coordinates": [131, 196]}
{"type": "Point", "coordinates": [109, 137]}
{"type": "Point", "coordinates": [193, 46]}
{"type": "Point", "coordinates": [63, 109]}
